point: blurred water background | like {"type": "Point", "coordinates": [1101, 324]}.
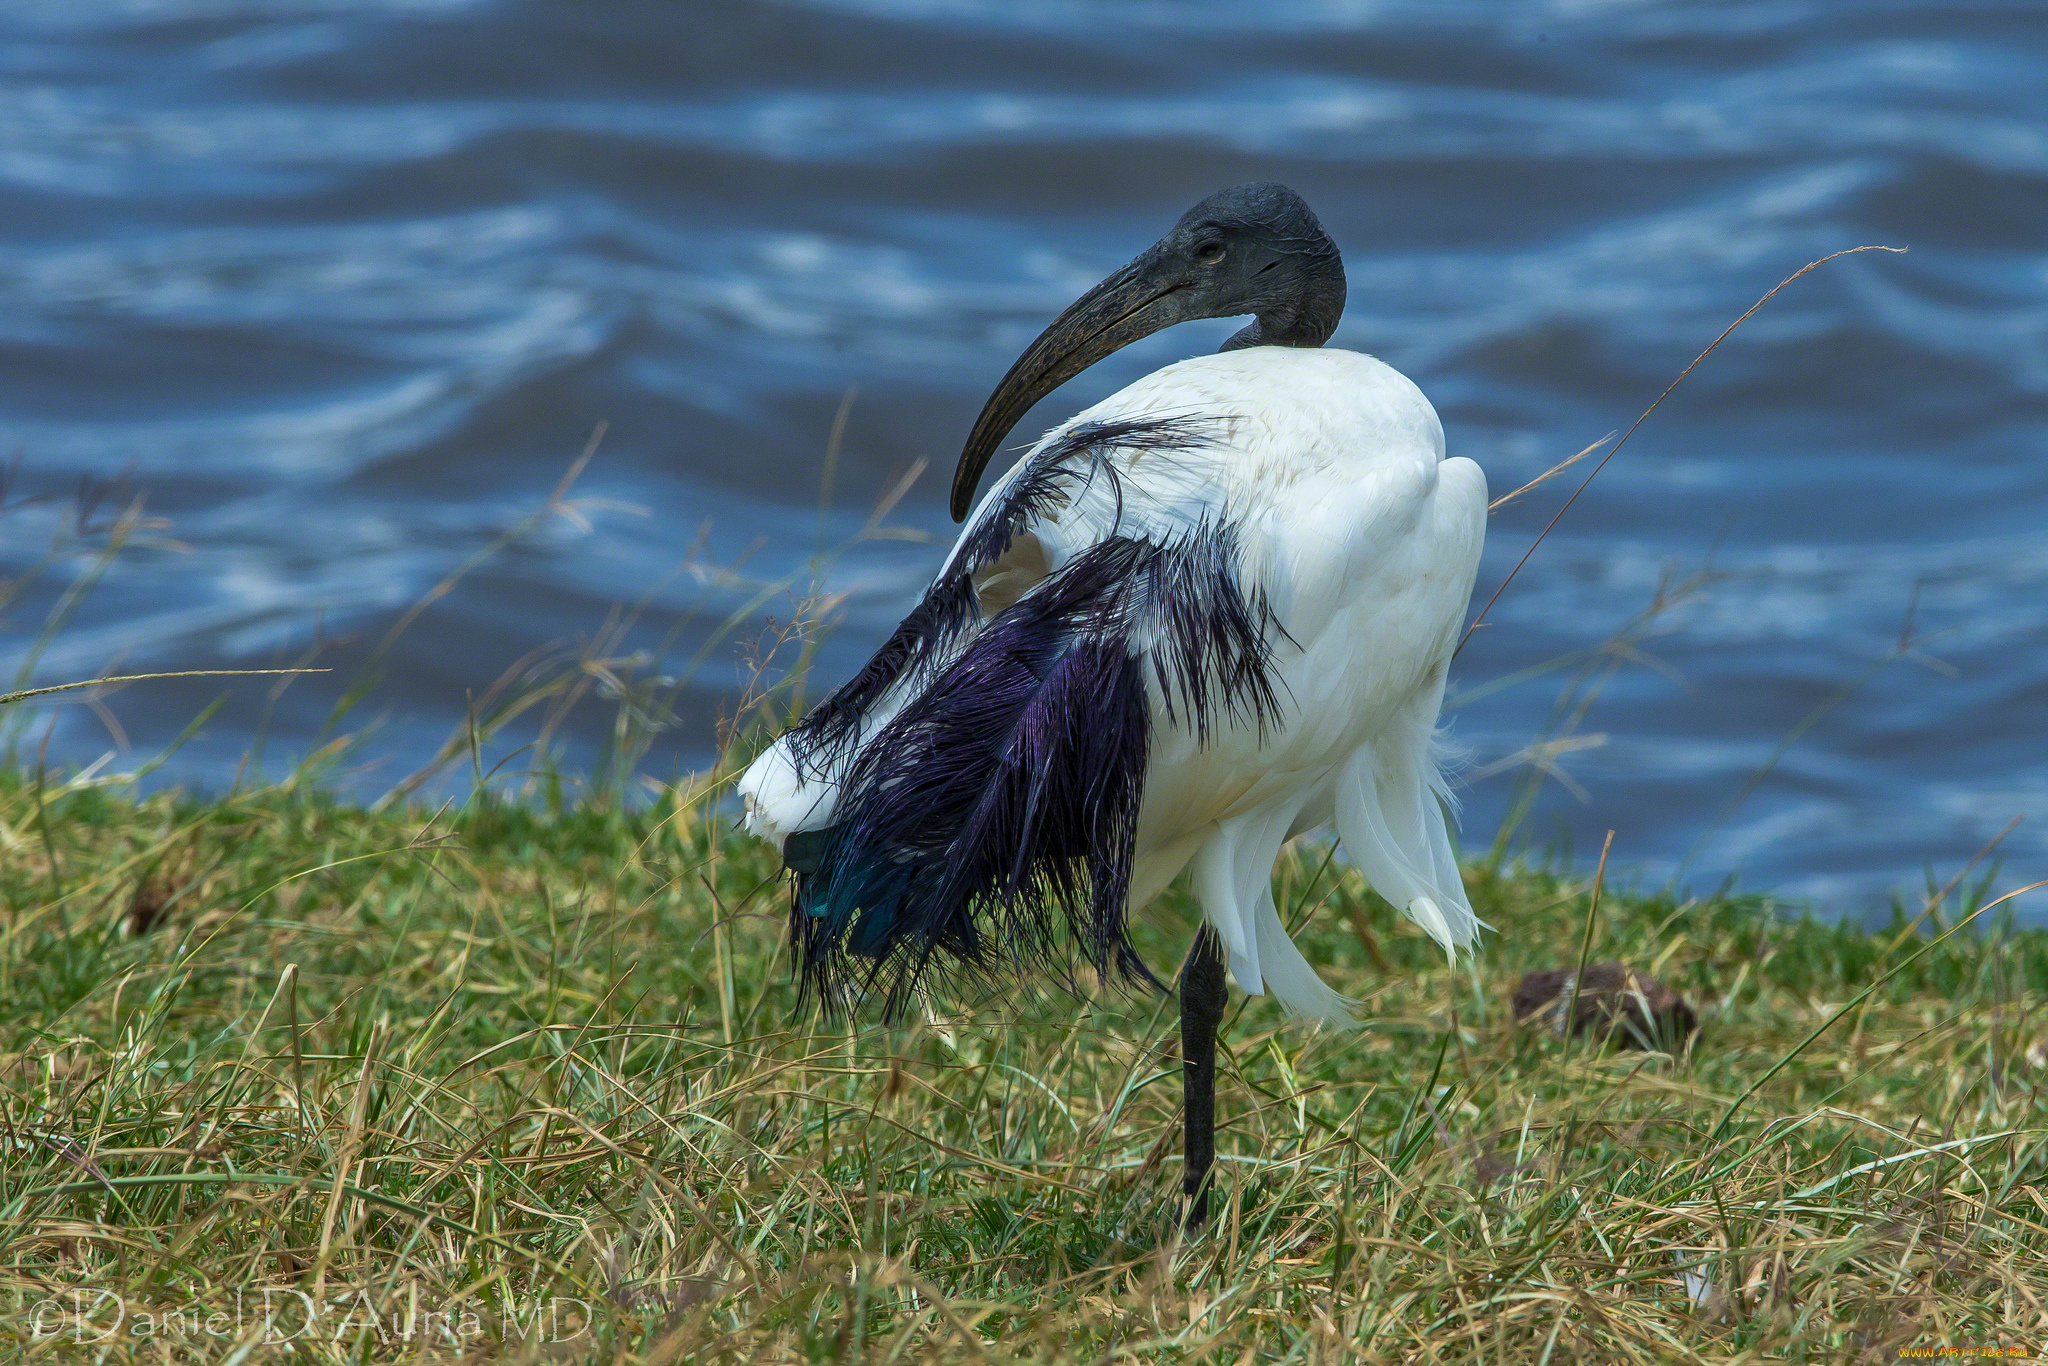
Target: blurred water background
{"type": "Point", "coordinates": [342, 287]}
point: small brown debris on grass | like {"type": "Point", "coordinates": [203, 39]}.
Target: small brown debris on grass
{"type": "Point", "coordinates": [152, 899]}
{"type": "Point", "coordinates": [1614, 1003]}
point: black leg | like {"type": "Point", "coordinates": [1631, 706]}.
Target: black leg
{"type": "Point", "coordinates": [1201, 1010]}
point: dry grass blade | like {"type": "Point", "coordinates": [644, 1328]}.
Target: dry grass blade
{"type": "Point", "coordinates": [25, 693]}
{"type": "Point", "coordinates": [1616, 450]}
{"type": "Point", "coordinates": [1559, 468]}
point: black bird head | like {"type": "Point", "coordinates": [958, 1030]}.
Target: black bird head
{"type": "Point", "coordinates": [1250, 249]}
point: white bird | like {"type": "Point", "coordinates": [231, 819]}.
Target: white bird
{"type": "Point", "coordinates": [1210, 613]}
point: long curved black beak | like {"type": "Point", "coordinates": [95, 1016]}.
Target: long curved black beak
{"type": "Point", "coordinates": [1148, 294]}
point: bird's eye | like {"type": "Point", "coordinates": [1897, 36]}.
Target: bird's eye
{"type": "Point", "coordinates": [1209, 253]}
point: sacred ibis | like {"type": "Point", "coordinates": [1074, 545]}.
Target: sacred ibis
{"type": "Point", "coordinates": [1210, 613]}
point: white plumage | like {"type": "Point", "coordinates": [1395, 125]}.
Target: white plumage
{"type": "Point", "coordinates": [1363, 539]}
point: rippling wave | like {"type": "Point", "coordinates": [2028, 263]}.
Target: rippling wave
{"type": "Point", "coordinates": [343, 286]}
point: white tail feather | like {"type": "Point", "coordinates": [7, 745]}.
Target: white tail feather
{"type": "Point", "coordinates": [1293, 980]}
{"type": "Point", "coordinates": [1393, 830]}
{"type": "Point", "coordinates": [1234, 882]}
{"type": "Point", "coordinates": [1215, 871]}
{"type": "Point", "coordinates": [780, 801]}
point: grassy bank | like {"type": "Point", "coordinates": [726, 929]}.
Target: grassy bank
{"type": "Point", "coordinates": [536, 1087]}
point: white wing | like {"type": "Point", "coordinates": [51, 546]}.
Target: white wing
{"type": "Point", "coordinates": [1309, 484]}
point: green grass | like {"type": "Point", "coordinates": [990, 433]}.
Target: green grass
{"type": "Point", "coordinates": [444, 1069]}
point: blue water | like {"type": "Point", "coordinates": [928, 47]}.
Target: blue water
{"type": "Point", "coordinates": [341, 287]}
